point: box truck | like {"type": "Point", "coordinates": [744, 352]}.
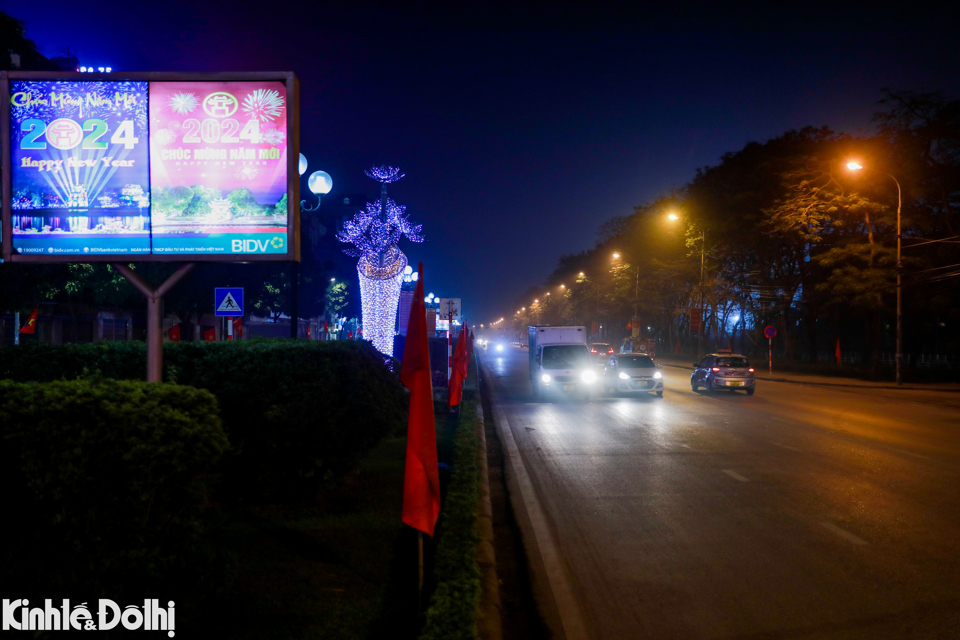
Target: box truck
{"type": "Point", "coordinates": [560, 362]}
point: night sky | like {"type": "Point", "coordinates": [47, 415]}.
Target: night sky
{"type": "Point", "coordinates": [521, 130]}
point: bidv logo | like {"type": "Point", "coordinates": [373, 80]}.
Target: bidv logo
{"type": "Point", "coordinates": [255, 246]}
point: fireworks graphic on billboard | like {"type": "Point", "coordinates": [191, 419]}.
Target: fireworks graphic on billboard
{"type": "Point", "coordinates": [263, 104]}
{"type": "Point", "coordinates": [183, 103]}
{"type": "Point", "coordinates": [247, 172]}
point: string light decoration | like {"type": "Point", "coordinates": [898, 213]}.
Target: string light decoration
{"type": "Point", "coordinates": [380, 296]}
{"type": "Point", "coordinates": [373, 234]}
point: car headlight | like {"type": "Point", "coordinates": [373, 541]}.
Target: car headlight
{"type": "Point", "coordinates": [545, 377]}
{"type": "Point", "coordinates": [657, 375]}
{"type": "Point", "coordinates": [499, 347]}
{"type": "Point", "coordinates": [624, 376]}
{"type": "Point", "coordinates": [588, 376]}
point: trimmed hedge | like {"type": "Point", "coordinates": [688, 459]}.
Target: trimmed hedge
{"type": "Point", "coordinates": [104, 483]}
{"type": "Point", "coordinates": [453, 607]}
{"type": "Point", "coordinates": [296, 412]}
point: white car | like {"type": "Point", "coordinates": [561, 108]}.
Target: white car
{"type": "Point", "coordinates": [632, 373]}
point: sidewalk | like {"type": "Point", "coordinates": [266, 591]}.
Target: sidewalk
{"type": "Point", "coordinates": [831, 381]}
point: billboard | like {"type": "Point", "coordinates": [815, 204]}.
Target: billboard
{"type": "Point", "coordinates": [80, 167]}
{"type": "Point", "coordinates": [150, 167]}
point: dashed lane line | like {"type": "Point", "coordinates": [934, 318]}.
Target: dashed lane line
{"type": "Point", "coordinates": [846, 535]}
{"type": "Point", "coordinates": [785, 446]}
{"type": "Point", "coordinates": [736, 476]}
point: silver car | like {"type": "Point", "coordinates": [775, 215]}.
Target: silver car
{"type": "Point", "coordinates": [632, 373]}
{"type": "Point", "coordinates": [730, 371]}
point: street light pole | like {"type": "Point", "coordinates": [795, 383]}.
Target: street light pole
{"type": "Point", "coordinates": [320, 183]}
{"type": "Point", "coordinates": [703, 240]}
{"type": "Point", "coordinates": [899, 354]}
{"type": "Point", "coordinates": [854, 166]}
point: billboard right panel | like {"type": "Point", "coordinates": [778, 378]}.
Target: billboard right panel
{"type": "Point", "coordinates": [218, 167]}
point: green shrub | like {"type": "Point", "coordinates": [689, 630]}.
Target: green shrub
{"type": "Point", "coordinates": [453, 607]}
{"type": "Point", "coordinates": [296, 412]}
{"type": "Point", "coordinates": [105, 483]}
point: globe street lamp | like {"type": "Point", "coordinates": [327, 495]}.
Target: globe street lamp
{"type": "Point", "coordinates": [320, 183]}
{"type": "Point", "coordinates": [855, 166]}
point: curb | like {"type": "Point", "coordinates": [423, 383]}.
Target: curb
{"type": "Point", "coordinates": [830, 384]}
{"type": "Point", "coordinates": [489, 626]}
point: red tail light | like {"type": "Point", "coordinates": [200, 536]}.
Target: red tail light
{"type": "Point", "coordinates": [611, 351]}
{"type": "Point", "coordinates": [593, 350]}
{"type": "Point", "coordinates": [750, 369]}
{"type": "Point", "coordinates": [715, 369]}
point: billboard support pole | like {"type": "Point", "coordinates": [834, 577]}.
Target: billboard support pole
{"type": "Point", "coordinates": [295, 300]}
{"type": "Point", "coordinates": [154, 312]}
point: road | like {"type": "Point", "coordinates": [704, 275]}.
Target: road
{"type": "Point", "coordinates": [799, 512]}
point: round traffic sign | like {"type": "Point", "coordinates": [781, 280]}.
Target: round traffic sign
{"type": "Point", "coordinates": [770, 332]}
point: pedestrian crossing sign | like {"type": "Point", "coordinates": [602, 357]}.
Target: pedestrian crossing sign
{"type": "Point", "coordinates": [228, 301]}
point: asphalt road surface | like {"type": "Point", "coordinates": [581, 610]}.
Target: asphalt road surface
{"type": "Point", "coordinates": [800, 512]}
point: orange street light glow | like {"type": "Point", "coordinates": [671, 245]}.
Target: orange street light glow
{"type": "Point", "coordinates": [616, 255]}
{"type": "Point", "coordinates": [854, 166]}
{"type": "Point", "coordinates": [673, 216]}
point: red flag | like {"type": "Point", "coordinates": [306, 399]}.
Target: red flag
{"type": "Point", "coordinates": [238, 328]}
{"type": "Point", "coordinates": [31, 326]}
{"type": "Point", "coordinates": [174, 333]}
{"type": "Point", "coordinates": [421, 481]}
{"type": "Point", "coordinates": [459, 373]}
{"type": "Point", "coordinates": [838, 350]}
{"type": "Point", "coordinates": [210, 335]}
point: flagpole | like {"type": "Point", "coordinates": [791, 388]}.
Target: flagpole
{"type": "Point", "coordinates": [419, 571]}
{"type": "Point", "coordinates": [16, 327]}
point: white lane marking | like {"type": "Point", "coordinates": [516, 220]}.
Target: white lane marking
{"type": "Point", "coordinates": [783, 445]}
{"type": "Point", "coordinates": [736, 476]}
{"type": "Point", "coordinates": [911, 453]}
{"type": "Point", "coordinates": [571, 618]}
{"type": "Point", "coordinates": [846, 535]}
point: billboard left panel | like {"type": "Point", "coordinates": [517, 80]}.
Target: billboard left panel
{"type": "Point", "coordinates": [80, 172]}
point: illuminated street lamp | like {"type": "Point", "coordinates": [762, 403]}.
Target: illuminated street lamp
{"type": "Point", "coordinates": [616, 255]}
{"type": "Point", "coordinates": [320, 183]}
{"type": "Point", "coordinates": [855, 166]}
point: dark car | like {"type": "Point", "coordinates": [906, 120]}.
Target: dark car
{"type": "Point", "coordinates": [632, 373]}
{"type": "Point", "coordinates": [729, 371]}
{"type": "Point", "coordinates": [600, 352]}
